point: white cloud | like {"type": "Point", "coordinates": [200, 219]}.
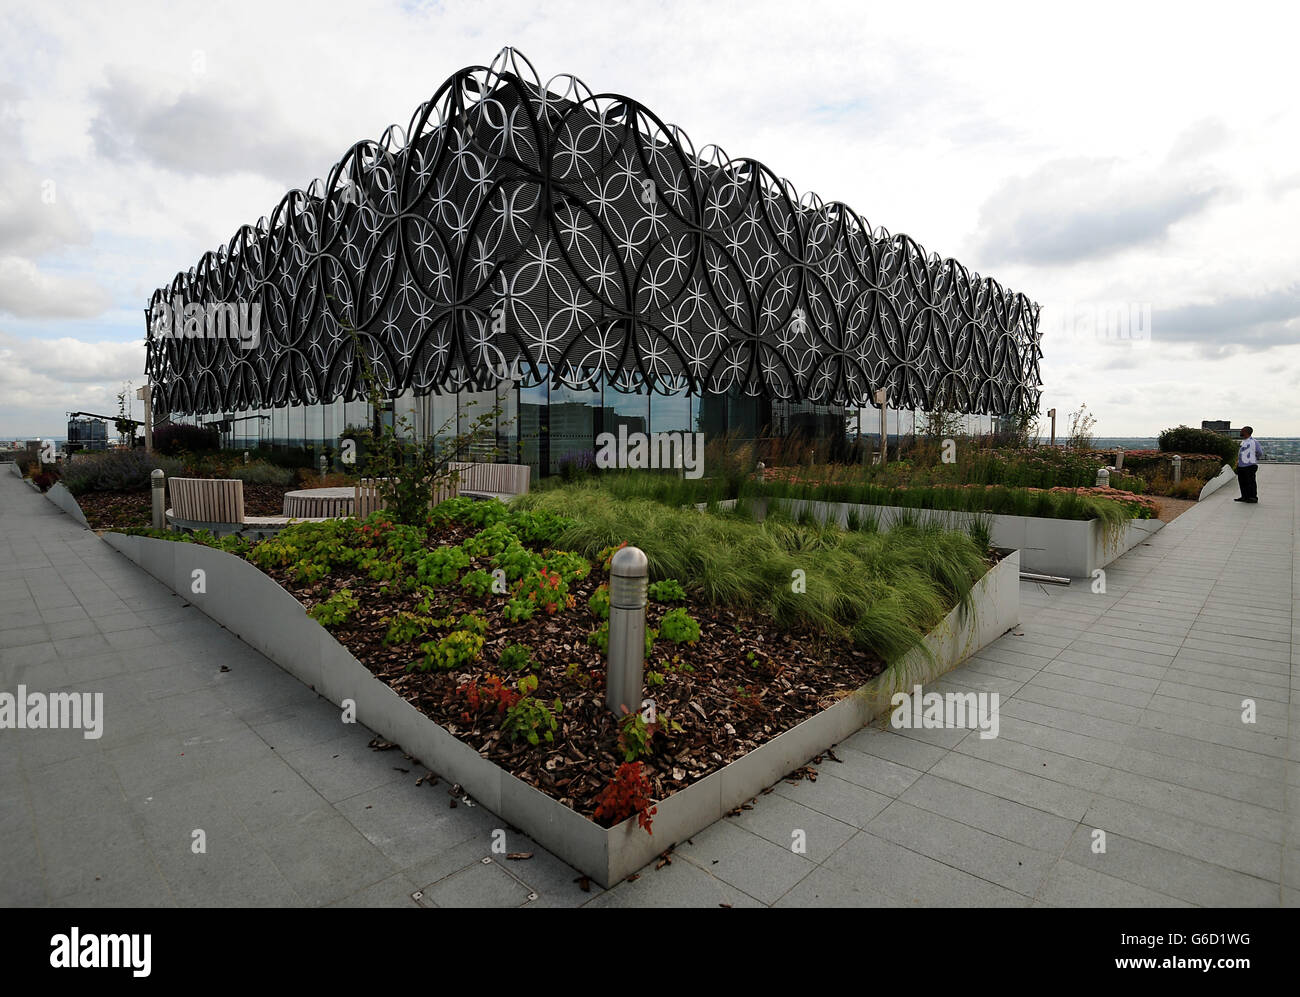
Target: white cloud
{"type": "Point", "coordinates": [41, 380]}
{"type": "Point", "coordinates": [27, 292]}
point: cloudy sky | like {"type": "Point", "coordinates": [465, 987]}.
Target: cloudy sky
{"type": "Point", "coordinates": [1134, 168]}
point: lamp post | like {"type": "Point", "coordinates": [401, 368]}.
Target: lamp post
{"type": "Point", "coordinates": [884, 427]}
{"type": "Point", "coordinates": [629, 570]}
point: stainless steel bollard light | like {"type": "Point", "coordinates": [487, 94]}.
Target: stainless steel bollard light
{"type": "Point", "coordinates": [1178, 468]}
{"type": "Point", "coordinates": [245, 456]}
{"type": "Point", "coordinates": [158, 484]}
{"type": "Point", "coordinates": [1119, 460]}
{"type": "Point", "coordinates": [1103, 478]}
{"type": "Point", "coordinates": [324, 466]}
{"type": "Point", "coordinates": [628, 572]}
{"type": "Point", "coordinates": [762, 470]}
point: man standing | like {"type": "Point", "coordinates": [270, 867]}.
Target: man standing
{"type": "Point", "coordinates": [1247, 464]}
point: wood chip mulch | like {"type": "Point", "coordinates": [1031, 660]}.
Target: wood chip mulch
{"type": "Point", "coordinates": [725, 704]}
{"type": "Point", "coordinates": [120, 510]}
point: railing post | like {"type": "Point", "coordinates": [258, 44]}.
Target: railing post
{"type": "Point", "coordinates": [158, 483]}
{"type": "Point", "coordinates": [629, 570]}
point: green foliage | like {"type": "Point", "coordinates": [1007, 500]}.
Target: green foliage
{"type": "Point", "coordinates": [599, 602]}
{"type": "Point", "coordinates": [458, 649]}
{"type": "Point", "coordinates": [1185, 439]}
{"type": "Point", "coordinates": [441, 566]}
{"type": "Point", "coordinates": [468, 512]}
{"type": "Point", "coordinates": [261, 473]}
{"type": "Point", "coordinates": [517, 561]}
{"type": "Point", "coordinates": [539, 527]}
{"type": "Point", "coordinates": [634, 736]}
{"type": "Point", "coordinates": [519, 609]}
{"type": "Point", "coordinates": [668, 590]}
{"type": "Point", "coordinates": [679, 627]}
{"type": "Point", "coordinates": [517, 657]}
{"type": "Point", "coordinates": [529, 718]}
{"type": "Point", "coordinates": [334, 610]}
{"type": "Point", "coordinates": [569, 566]}
{"type": "Point", "coordinates": [490, 541]}
{"type": "Point", "coordinates": [544, 589]}
{"type": "Point", "coordinates": [115, 471]}
{"type": "Point", "coordinates": [474, 623]}
{"type": "Point", "coordinates": [404, 627]}
{"type": "Point", "coordinates": [477, 583]}
{"type": "Point", "coordinates": [883, 590]}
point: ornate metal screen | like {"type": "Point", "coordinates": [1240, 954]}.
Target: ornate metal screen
{"type": "Point", "coordinates": [530, 231]}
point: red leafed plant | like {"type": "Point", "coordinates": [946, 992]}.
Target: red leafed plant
{"type": "Point", "coordinates": [493, 692]}
{"type": "Point", "coordinates": [628, 793]}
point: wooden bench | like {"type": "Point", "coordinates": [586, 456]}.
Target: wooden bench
{"type": "Point", "coordinates": [367, 496]}
{"type": "Point", "coordinates": [493, 481]}
{"type": "Point", "coordinates": [217, 505]}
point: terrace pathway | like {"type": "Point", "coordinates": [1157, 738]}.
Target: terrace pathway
{"type": "Point", "coordinates": [1120, 712]}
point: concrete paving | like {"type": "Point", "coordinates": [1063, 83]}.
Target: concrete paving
{"type": "Point", "coordinates": [1123, 773]}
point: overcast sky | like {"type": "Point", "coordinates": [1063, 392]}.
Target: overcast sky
{"type": "Point", "coordinates": [1105, 160]}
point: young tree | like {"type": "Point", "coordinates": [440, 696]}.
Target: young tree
{"type": "Point", "coordinates": [1081, 423]}
{"type": "Point", "coordinates": [412, 468]}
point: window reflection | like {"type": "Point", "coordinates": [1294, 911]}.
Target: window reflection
{"type": "Point", "coordinates": [575, 419]}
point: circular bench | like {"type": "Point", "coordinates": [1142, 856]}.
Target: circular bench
{"type": "Point", "coordinates": [315, 503]}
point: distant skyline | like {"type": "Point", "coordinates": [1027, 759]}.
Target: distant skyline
{"type": "Point", "coordinates": [1136, 171]}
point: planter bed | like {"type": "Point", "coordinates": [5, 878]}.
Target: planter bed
{"type": "Point", "coordinates": [719, 770]}
{"type": "Point", "coordinates": [1072, 548]}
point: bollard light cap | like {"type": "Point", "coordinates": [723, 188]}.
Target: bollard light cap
{"type": "Point", "coordinates": [156, 477]}
{"type": "Point", "coordinates": [629, 562]}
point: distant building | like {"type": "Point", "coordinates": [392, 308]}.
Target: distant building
{"type": "Point", "coordinates": [87, 434]}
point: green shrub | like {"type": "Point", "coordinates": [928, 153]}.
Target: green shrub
{"type": "Point", "coordinates": [334, 610]}
{"type": "Point", "coordinates": [404, 627]}
{"type": "Point", "coordinates": [457, 649]}
{"type": "Point", "coordinates": [668, 590]}
{"type": "Point", "coordinates": [261, 473]}
{"type": "Point", "coordinates": [116, 471]}
{"type": "Point", "coordinates": [477, 583]}
{"type": "Point", "coordinates": [516, 657]}
{"type": "Point", "coordinates": [679, 627]}
{"type": "Point", "coordinates": [519, 609]}
{"type": "Point", "coordinates": [441, 566]}
{"type": "Point", "coordinates": [599, 602]}
{"type": "Point", "coordinates": [1185, 439]}
{"type": "Point", "coordinates": [634, 736]}
{"type": "Point", "coordinates": [530, 718]}
{"type": "Point", "coordinates": [517, 561]}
